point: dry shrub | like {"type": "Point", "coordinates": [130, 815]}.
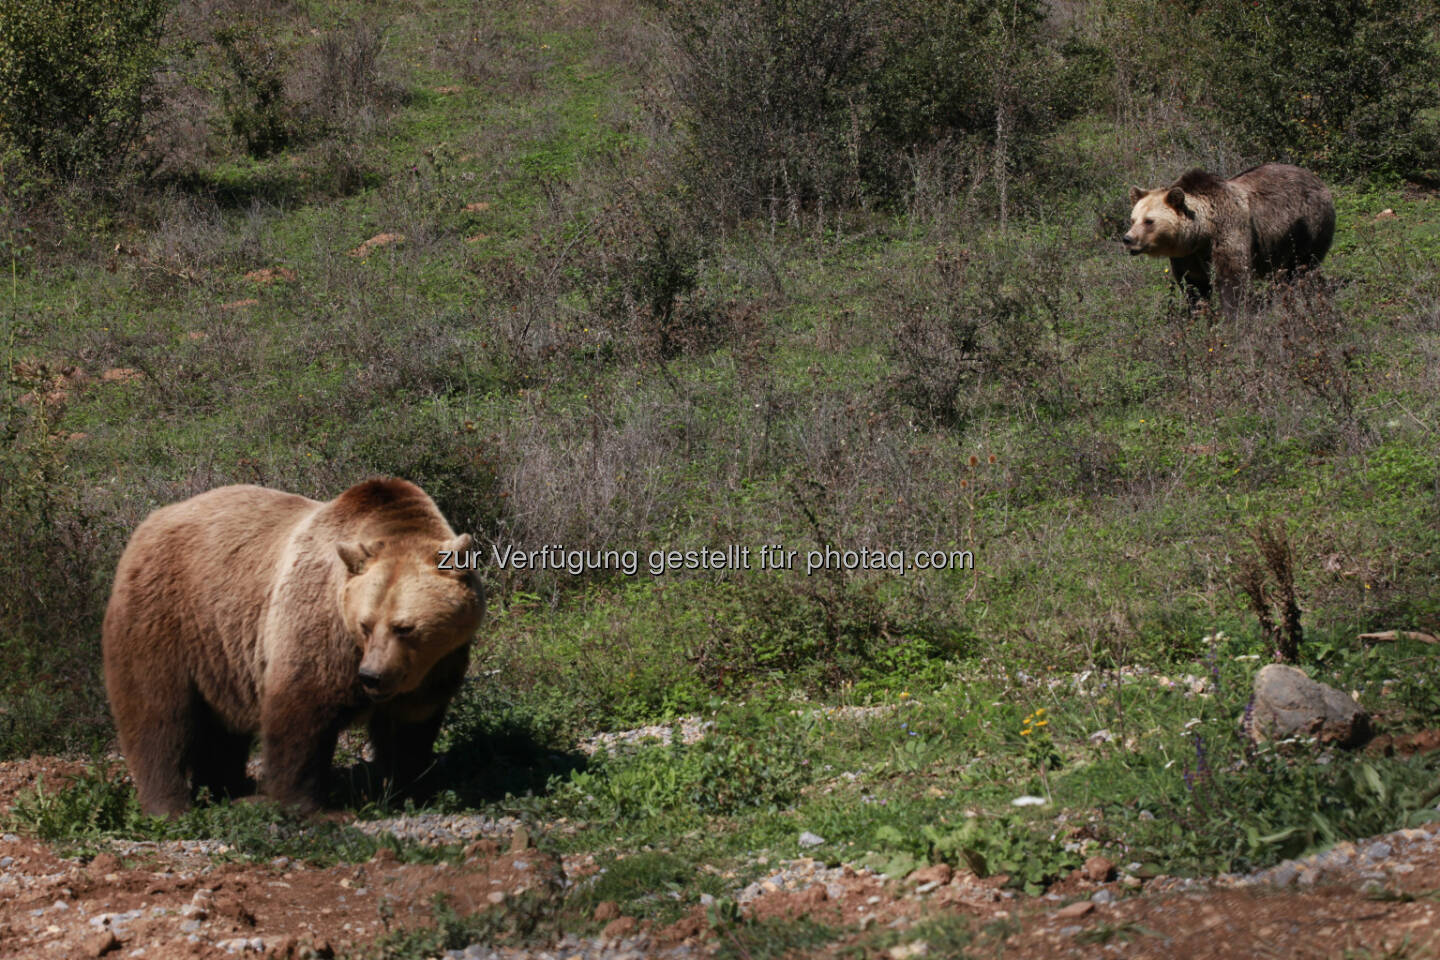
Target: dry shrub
{"type": "Point", "coordinates": [983, 327]}
{"type": "Point", "coordinates": [602, 477]}
{"type": "Point", "coordinates": [1291, 354]}
{"type": "Point", "coordinates": [490, 50]}
{"type": "Point", "coordinates": [1267, 578]}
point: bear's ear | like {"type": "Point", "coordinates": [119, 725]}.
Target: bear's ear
{"type": "Point", "coordinates": [455, 549]}
{"type": "Point", "coordinates": [1135, 194]}
{"type": "Point", "coordinates": [1175, 200]}
{"type": "Point", "coordinates": [354, 556]}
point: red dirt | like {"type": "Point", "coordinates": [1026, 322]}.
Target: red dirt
{"type": "Point", "coordinates": [188, 906]}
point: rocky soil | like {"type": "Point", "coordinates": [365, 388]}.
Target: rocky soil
{"type": "Point", "coordinates": [182, 899]}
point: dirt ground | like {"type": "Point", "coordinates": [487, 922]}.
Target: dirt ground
{"type": "Point", "coordinates": [1372, 898]}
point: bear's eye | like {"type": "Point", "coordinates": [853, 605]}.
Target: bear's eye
{"type": "Point", "coordinates": [1149, 221]}
{"type": "Point", "coordinates": [402, 629]}
{"type": "Point", "coordinates": [367, 628]}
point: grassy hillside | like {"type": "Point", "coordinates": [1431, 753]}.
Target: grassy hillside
{"type": "Point", "coordinates": [482, 259]}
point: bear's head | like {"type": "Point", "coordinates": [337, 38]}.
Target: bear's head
{"type": "Point", "coordinates": [1162, 224]}
{"type": "Point", "coordinates": [404, 611]}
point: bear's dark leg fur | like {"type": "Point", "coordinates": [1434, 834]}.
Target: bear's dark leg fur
{"type": "Point", "coordinates": [403, 731]}
{"type": "Point", "coordinates": [217, 756]}
{"type": "Point", "coordinates": [298, 731]}
{"type": "Point", "coordinates": [404, 752]}
{"type": "Point", "coordinates": [1192, 275]}
{"type": "Point", "coordinates": [153, 721]}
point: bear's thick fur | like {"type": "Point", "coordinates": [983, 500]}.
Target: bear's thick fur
{"type": "Point", "coordinates": [246, 611]}
{"type": "Point", "coordinates": [1271, 219]}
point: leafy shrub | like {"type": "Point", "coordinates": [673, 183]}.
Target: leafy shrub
{"type": "Point", "coordinates": [73, 80]}
{"type": "Point", "coordinates": [253, 98]}
{"type": "Point", "coordinates": [650, 257]}
{"type": "Point", "coordinates": [1342, 86]}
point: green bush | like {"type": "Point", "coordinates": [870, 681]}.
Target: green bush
{"type": "Point", "coordinates": [60, 551]}
{"type": "Point", "coordinates": [1340, 85]}
{"type": "Point", "coordinates": [252, 97]}
{"type": "Point", "coordinates": [73, 80]}
{"type": "Point", "coordinates": [791, 105]}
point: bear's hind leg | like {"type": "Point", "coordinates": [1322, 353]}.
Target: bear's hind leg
{"type": "Point", "coordinates": [217, 756]}
{"type": "Point", "coordinates": [153, 723]}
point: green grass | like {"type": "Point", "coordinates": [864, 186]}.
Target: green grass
{"type": "Point", "coordinates": [99, 806]}
{"type": "Point", "coordinates": [1104, 454]}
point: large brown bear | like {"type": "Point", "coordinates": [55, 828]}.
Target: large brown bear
{"type": "Point", "coordinates": [248, 611]}
{"type": "Point", "coordinates": [1272, 219]}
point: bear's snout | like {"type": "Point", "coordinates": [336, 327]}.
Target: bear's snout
{"type": "Point", "coordinates": [373, 683]}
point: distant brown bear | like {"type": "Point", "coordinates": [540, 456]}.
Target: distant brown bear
{"type": "Point", "coordinates": [248, 611]}
{"type": "Point", "coordinates": [1272, 219]}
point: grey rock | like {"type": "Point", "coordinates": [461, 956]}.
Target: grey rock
{"type": "Point", "coordinates": [1288, 703]}
{"type": "Point", "coordinates": [808, 839]}
{"type": "Point", "coordinates": [1378, 851]}
{"type": "Point", "coordinates": [1284, 874]}
{"type": "Point", "coordinates": [1103, 896]}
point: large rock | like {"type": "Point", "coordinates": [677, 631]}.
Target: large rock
{"type": "Point", "coordinates": [1288, 703]}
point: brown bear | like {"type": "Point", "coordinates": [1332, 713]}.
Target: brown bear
{"type": "Point", "coordinates": [1273, 219]}
{"type": "Point", "coordinates": [246, 611]}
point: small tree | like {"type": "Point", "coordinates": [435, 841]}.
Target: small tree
{"type": "Point", "coordinates": [73, 79]}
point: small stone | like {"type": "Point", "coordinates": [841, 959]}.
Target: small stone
{"type": "Point", "coordinates": [519, 840]}
{"type": "Point", "coordinates": [1378, 851]}
{"type": "Point", "coordinates": [495, 897]}
{"type": "Point", "coordinates": [1103, 896]}
{"type": "Point", "coordinates": [619, 927]}
{"type": "Point", "coordinates": [103, 863]}
{"type": "Point", "coordinates": [940, 874]}
{"type": "Point", "coordinates": [903, 951]}
{"type": "Point", "coordinates": [1099, 869]}
{"type": "Point", "coordinates": [1076, 910]}
{"type": "Point", "coordinates": [927, 887]}
{"type": "Point", "coordinates": [101, 944]}
{"type": "Point", "coordinates": [813, 895]}
{"type": "Point", "coordinates": [607, 911]}
{"type": "Point", "coordinates": [484, 847]}
{"type": "Point", "coordinates": [1284, 874]}
{"type": "Point", "coordinates": [808, 839]}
